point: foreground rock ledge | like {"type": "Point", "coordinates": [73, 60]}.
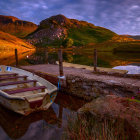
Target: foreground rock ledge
{"type": "Point", "coordinates": [115, 107]}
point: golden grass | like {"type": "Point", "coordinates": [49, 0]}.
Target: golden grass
{"type": "Point", "coordinates": [8, 42]}
{"type": "Point", "coordinates": [89, 127]}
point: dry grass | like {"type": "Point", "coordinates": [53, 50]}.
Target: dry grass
{"type": "Point", "coordinates": [8, 42]}
{"type": "Point", "coordinates": [87, 127]}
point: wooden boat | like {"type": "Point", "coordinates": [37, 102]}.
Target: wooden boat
{"type": "Point", "coordinates": [24, 92]}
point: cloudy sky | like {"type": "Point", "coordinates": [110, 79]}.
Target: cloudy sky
{"type": "Point", "coordinates": [120, 16]}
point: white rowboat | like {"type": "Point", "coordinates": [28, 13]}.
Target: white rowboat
{"type": "Point", "coordinates": [24, 92]}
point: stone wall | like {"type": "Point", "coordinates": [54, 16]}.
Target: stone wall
{"type": "Point", "coordinates": [92, 88]}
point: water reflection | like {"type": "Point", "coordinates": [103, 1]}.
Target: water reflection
{"type": "Point", "coordinates": [105, 59]}
{"type": "Point", "coordinates": [16, 126]}
{"type": "Point", "coordinates": [7, 57]}
{"type": "Point", "coordinates": [44, 56]}
{"type": "Point", "coordinates": [40, 125]}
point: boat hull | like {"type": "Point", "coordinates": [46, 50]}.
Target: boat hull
{"type": "Point", "coordinates": [24, 106]}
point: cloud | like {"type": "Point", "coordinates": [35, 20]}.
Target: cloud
{"type": "Point", "coordinates": [117, 15]}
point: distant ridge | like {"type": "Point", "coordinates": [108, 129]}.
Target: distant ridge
{"type": "Point", "coordinates": [137, 37]}
{"type": "Point", "coordinates": [14, 26]}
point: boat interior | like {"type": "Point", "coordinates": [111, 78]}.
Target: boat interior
{"type": "Point", "coordinates": [17, 85]}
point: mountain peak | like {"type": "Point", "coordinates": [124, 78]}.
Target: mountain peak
{"type": "Point", "coordinates": [59, 28]}
{"type": "Point", "coordinates": [57, 19]}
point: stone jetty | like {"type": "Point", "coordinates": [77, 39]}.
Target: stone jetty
{"type": "Point", "coordinates": [82, 82]}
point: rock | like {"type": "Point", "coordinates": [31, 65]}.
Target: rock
{"type": "Point", "coordinates": [115, 107]}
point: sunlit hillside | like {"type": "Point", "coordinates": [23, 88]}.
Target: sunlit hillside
{"type": "Point", "coordinates": [9, 42]}
{"type": "Point", "coordinates": [15, 26]}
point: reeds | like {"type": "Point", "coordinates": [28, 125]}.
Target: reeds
{"type": "Point", "coordinates": [88, 127]}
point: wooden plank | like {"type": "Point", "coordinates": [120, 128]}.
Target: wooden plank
{"type": "Point", "coordinates": [8, 78]}
{"type": "Point", "coordinates": [16, 57]}
{"type": "Point", "coordinates": [9, 74]}
{"type": "Point", "coordinates": [60, 57]}
{"type": "Point", "coordinates": [17, 82]}
{"type": "Point", "coordinates": [95, 60]}
{"type": "Point", "coordinates": [25, 89]}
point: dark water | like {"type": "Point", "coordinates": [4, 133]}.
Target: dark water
{"type": "Point", "coordinates": [42, 56]}
{"type": "Point", "coordinates": [43, 125]}
{"type": "Point", "coordinates": [49, 124]}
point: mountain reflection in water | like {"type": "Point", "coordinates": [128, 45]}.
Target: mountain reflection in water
{"type": "Point", "coordinates": [44, 56]}
{"type": "Point", "coordinates": [7, 57]}
{"type": "Point", "coordinates": [39, 125]}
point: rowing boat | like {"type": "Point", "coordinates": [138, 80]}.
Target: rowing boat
{"type": "Point", "coordinates": [24, 92]}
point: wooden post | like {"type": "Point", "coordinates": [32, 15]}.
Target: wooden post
{"type": "Point", "coordinates": [46, 56]}
{"type": "Point", "coordinates": [16, 57]}
{"type": "Point", "coordinates": [60, 115]}
{"type": "Point", "coordinates": [60, 57]}
{"type": "Point", "coordinates": [95, 60]}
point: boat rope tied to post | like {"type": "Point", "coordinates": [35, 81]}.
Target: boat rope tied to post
{"type": "Point", "coordinates": [59, 84]}
{"type": "Point", "coordinates": [59, 81]}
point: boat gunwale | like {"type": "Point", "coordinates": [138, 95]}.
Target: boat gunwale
{"type": "Point", "coordinates": [34, 77]}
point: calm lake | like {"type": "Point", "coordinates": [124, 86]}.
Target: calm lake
{"type": "Point", "coordinates": [42, 56]}
{"type": "Point", "coordinates": [43, 125]}
{"type": "Point", "coordinates": [48, 125]}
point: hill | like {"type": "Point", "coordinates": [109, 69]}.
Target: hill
{"type": "Point", "coordinates": [8, 42]}
{"type": "Point", "coordinates": [137, 37]}
{"type": "Point", "coordinates": [14, 26]}
{"type": "Point", "coordinates": [58, 30]}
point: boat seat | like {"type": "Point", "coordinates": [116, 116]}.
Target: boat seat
{"type": "Point", "coordinates": [8, 78]}
{"type": "Point", "coordinates": [25, 89]}
{"type": "Point", "coordinates": [9, 74]}
{"type": "Point", "coordinates": [17, 82]}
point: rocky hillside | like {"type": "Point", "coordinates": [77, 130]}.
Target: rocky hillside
{"type": "Point", "coordinates": [58, 30]}
{"type": "Point", "coordinates": [15, 26]}
{"type": "Point", "coordinates": [8, 42]}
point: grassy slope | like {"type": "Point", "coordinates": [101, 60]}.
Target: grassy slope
{"type": "Point", "coordinates": [15, 26]}
{"type": "Point", "coordinates": [131, 46]}
{"type": "Point", "coordinates": [18, 30]}
{"type": "Point", "coordinates": [84, 35]}
{"type": "Point", "coordinates": [81, 32]}
{"type": "Point", "coordinates": [8, 41]}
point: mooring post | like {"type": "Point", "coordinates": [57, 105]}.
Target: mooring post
{"type": "Point", "coordinates": [60, 116]}
{"type": "Point", "coordinates": [46, 56]}
{"type": "Point", "coordinates": [60, 57]}
{"type": "Point", "coordinates": [95, 60]}
{"type": "Point", "coordinates": [61, 77]}
{"type": "Point", "coordinates": [16, 57]}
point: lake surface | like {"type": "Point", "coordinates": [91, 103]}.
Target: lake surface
{"type": "Point", "coordinates": [42, 56]}
{"type": "Point", "coordinates": [43, 125]}
{"type": "Point", "coordinates": [50, 124]}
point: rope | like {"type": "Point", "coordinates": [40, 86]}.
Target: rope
{"type": "Point", "coordinates": [59, 86]}
{"type": "Point", "coordinates": [51, 98]}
